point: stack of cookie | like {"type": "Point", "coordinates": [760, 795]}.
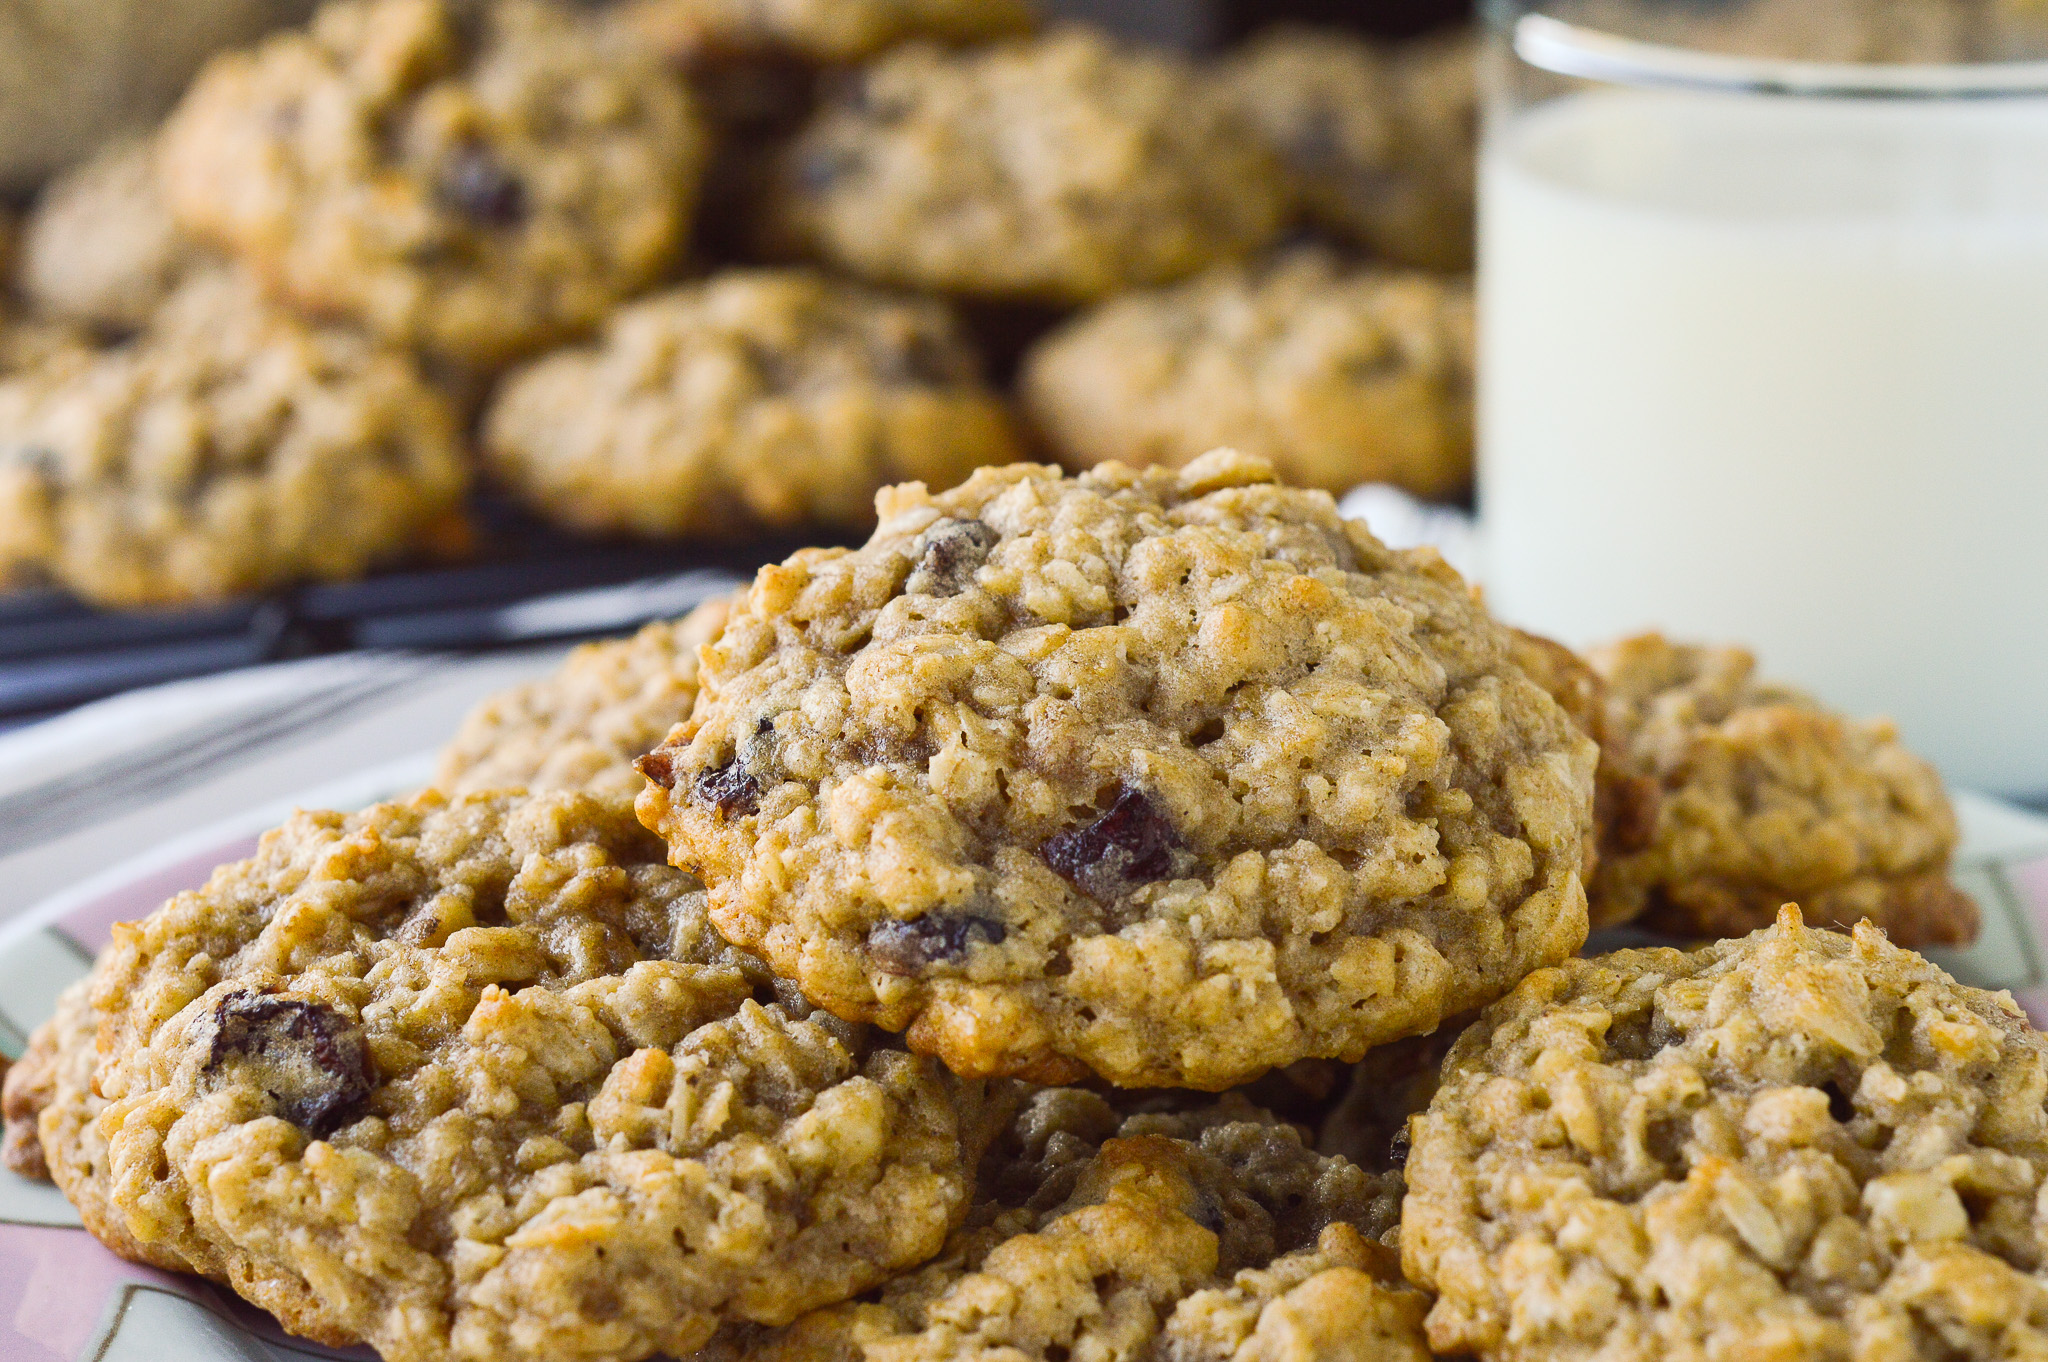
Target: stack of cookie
{"type": "Point", "coordinates": [1041, 935]}
{"type": "Point", "coordinates": [703, 268]}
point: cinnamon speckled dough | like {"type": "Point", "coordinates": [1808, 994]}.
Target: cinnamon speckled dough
{"type": "Point", "coordinates": [100, 247]}
{"type": "Point", "coordinates": [1171, 776]}
{"type": "Point", "coordinates": [1212, 1234]}
{"type": "Point", "coordinates": [583, 727]}
{"type": "Point", "coordinates": [1757, 795]}
{"type": "Point", "coordinates": [1800, 1144]}
{"type": "Point", "coordinates": [468, 1078]}
{"type": "Point", "coordinates": [477, 179]}
{"type": "Point", "coordinates": [777, 398]}
{"type": "Point", "coordinates": [820, 30]}
{"type": "Point", "coordinates": [1063, 169]}
{"type": "Point", "coordinates": [230, 447]}
{"type": "Point", "coordinates": [1339, 375]}
{"type": "Point", "coordinates": [1380, 141]}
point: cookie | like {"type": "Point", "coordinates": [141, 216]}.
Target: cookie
{"type": "Point", "coordinates": [583, 727]}
{"type": "Point", "coordinates": [1172, 776]}
{"type": "Point", "coordinates": [100, 248]}
{"type": "Point", "coordinates": [207, 456]}
{"type": "Point", "coordinates": [1209, 1235]}
{"type": "Point", "coordinates": [1753, 794]}
{"type": "Point", "coordinates": [52, 1111]}
{"type": "Point", "coordinates": [819, 31]}
{"type": "Point", "coordinates": [1060, 169]}
{"type": "Point", "coordinates": [1797, 1144]}
{"type": "Point", "coordinates": [480, 180]}
{"type": "Point", "coordinates": [1339, 375]}
{"type": "Point", "coordinates": [1380, 142]}
{"type": "Point", "coordinates": [467, 1078]}
{"type": "Point", "coordinates": [757, 399]}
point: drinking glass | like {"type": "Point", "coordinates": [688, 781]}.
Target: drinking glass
{"type": "Point", "coordinates": [1764, 348]}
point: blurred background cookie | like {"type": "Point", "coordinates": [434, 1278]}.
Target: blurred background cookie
{"type": "Point", "coordinates": [1339, 374]}
{"type": "Point", "coordinates": [477, 182]}
{"type": "Point", "coordinates": [210, 455]}
{"type": "Point", "coordinates": [100, 248]}
{"type": "Point", "coordinates": [1059, 169]}
{"type": "Point", "coordinates": [758, 398]}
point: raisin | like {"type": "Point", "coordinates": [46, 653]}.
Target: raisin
{"type": "Point", "coordinates": [1839, 1105]}
{"type": "Point", "coordinates": [926, 360]}
{"type": "Point", "coordinates": [950, 553]}
{"type": "Point", "coordinates": [483, 188]}
{"type": "Point", "coordinates": [1397, 1149]}
{"type": "Point", "coordinates": [311, 1060]}
{"type": "Point", "coordinates": [1132, 844]}
{"type": "Point", "coordinates": [820, 170]}
{"type": "Point", "coordinates": [732, 788]}
{"type": "Point", "coordinates": [907, 949]}
{"type": "Point", "coordinates": [659, 766]}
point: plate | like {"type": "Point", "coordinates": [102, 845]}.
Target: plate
{"type": "Point", "coordinates": [63, 1298]}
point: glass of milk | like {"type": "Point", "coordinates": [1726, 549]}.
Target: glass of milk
{"type": "Point", "coordinates": [1764, 358]}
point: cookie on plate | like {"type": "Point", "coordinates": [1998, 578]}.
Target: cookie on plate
{"type": "Point", "coordinates": [1797, 1144]}
{"type": "Point", "coordinates": [209, 455]}
{"type": "Point", "coordinates": [1212, 1234]}
{"type": "Point", "coordinates": [582, 728]}
{"type": "Point", "coordinates": [1754, 794]}
{"type": "Point", "coordinates": [100, 248]}
{"type": "Point", "coordinates": [1380, 142]}
{"type": "Point", "coordinates": [756, 399]}
{"type": "Point", "coordinates": [1175, 776]}
{"type": "Point", "coordinates": [479, 180]}
{"type": "Point", "coordinates": [466, 1078]}
{"type": "Point", "coordinates": [1060, 169]}
{"type": "Point", "coordinates": [1339, 375]}
{"type": "Point", "coordinates": [821, 31]}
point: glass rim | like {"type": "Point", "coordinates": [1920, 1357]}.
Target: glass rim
{"type": "Point", "coordinates": [1567, 49]}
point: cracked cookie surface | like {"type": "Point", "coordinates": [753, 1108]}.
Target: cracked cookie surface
{"type": "Point", "coordinates": [1062, 169]}
{"type": "Point", "coordinates": [1754, 794]}
{"type": "Point", "coordinates": [472, 1078]}
{"type": "Point", "coordinates": [1797, 1144]}
{"type": "Point", "coordinates": [1174, 776]}
{"type": "Point", "coordinates": [758, 398]}
{"type": "Point", "coordinates": [1339, 375]}
{"type": "Point", "coordinates": [1209, 1234]}
{"type": "Point", "coordinates": [582, 728]}
{"type": "Point", "coordinates": [206, 456]}
{"type": "Point", "coordinates": [479, 180]}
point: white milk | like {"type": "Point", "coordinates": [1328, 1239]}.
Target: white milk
{"type": "Point", "coordinates": [1776, 371]}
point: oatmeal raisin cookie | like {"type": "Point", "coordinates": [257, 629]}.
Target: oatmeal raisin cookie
{"type": "Point", "coordinates": [819, 30]}
{"type": "Point", "coordinates": [1380, 141]}
{"type": "Point", "coordinates": [466, 1078]}
{"type": "Point", "coordinates": [210, 454]}
{"type": "Point", "coordinates": [1339, 375]}
{"type": "Point", "coordinates": [1175, 776]}
{"type": "Point", "coordinates": [1800, 1144]}
{"type": "Point", "coordinates": [1750, 794]}
{"type": "Point", "coordinates": [1060, 169]}
{"type": "Point", "coordinates": [478, 179]}
{"type": "Point", "coordinates": [583, 727]}
{"type": "Point", "coordinates": [1210, 1236]}
{"type": "Point", "coordinates": [758, 398]}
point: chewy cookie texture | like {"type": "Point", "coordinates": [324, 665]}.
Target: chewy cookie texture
{"type": "Point", "coordinates": [471, 1078]}
{"type": "Point", "coordinates": [1799, 1144]}
{"type": "Point", "coordinates": [1174, 777]}
{"type": "Point", "coordinates": [1211, 1233]}
{"type": "Point", "coordinates": [1745, 794]}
